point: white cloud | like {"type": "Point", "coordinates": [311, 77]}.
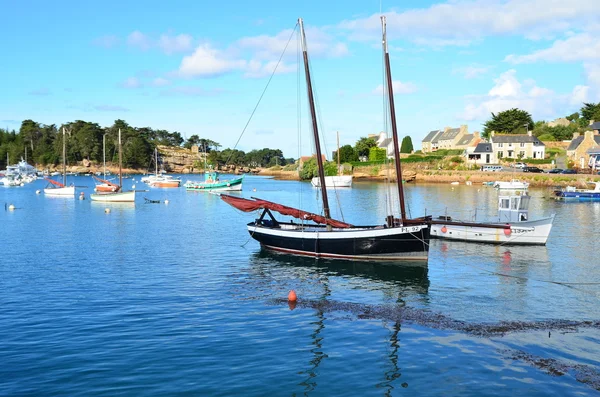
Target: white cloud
{"type": "Point", "coordinates": [207, 62]}
{"type": "Point", "coordinates": [132, 82]}
{"type": "Point", "coordinates": [190, 91]}
{"type": "Point", "coordinates": [160, 82]}
{"type": "Point", "coordinates": [173, 44]}
{"type": "Point", "coordinates": [592, 76]}
{"type": "Point", "coordinates": [471, 72]}
{"type": "Point", "coordinates": [398, 87]}
{"type": "Point", "coordinates": [508, 92]}
{"type": "Point", "coordinates": [139, 40]}
{"type": "Point", "coordinates": [458, 22]}
{"type": "Point", "coordinates": [256, 69]}
{"type": "Point", "coordinates": [580, 47]}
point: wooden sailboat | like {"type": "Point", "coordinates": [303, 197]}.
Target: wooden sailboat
{"type": "Point", "coordinates": [105, 186]}
{"type": "Point", "coordinates": [161, 180]}
{"type": "Point", "coordinates": [338, 180]}
{"type": "Point", "coordinates": [398, 239]}
{"type": "Point", "coordinates": [118, 195]}
{"type": "Point", "coordinates": [56, 188]}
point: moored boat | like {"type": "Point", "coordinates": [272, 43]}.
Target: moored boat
{"type": "Point", "coordinates": [512, 227]}
{"type": "Point", "coordinates": [514, 184]}
{"type": "Point", "coordinates": [56, 188]}
{"type": "Point", "coordinates": [333, 181]}
{"type": "Point", "coordinates": [572, 193]}
{"type": "Point", "coordinates": [214, 183]}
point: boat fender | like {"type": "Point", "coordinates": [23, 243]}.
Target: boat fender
{"type": "Point", "coordinates": [507, 231]}
{"type": "Point", "coordinates": [444, 229]}
{"type": "Point", "coordinates": [228, 184]}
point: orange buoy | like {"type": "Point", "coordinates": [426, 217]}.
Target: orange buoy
{"type": "Point", "coordinates": [444, 229]}
{"type": "Point", "coordinates": [292, 296]}
{"type": "Point", "coordinates": [507, 231]}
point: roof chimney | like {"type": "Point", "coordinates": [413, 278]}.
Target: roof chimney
{"type": "Point", "coordinates": [529, 133]}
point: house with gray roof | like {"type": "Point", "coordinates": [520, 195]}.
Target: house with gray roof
{"type": "Point", "coordinates": [429, 143]}
{"type": "Point", "coordinates": [517, 146]}
{"type": "Point", "coordinates": [481, 154]}
{"type": "Point", "coordinates": [583, 149]}
{"type": "Point", "coordinates": [448, 138]}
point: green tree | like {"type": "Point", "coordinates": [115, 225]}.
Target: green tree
{"type": "Point", "coordinates": [376, 154]}
{"type": "Point", "coordinates": [590, 111]}
{"type": "Point", "coordinates": [363, 145]}
{"type": "Point", "coordinates": [407, 145]}
{"type": "Point", "coordinates": [513, 121]}
{"type": "Point", "coordinates": [193, 140]}
{"type": "Point", "coordinates": [347, 154]}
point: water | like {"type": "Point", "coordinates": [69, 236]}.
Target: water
{"type": "Point", "coordinates": [164, 299]}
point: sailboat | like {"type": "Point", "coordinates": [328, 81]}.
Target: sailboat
{"type": "Point", "coordinates": [335, 180]}
{"type": "Point", "coordinates": [398, 239]}
{"type": "Point", "coordinates": [56, 188]}
{"type": "Point", "coordinates": [105, 186]}
{"type": "Point", "coordinates": [118, 195]}
{"type": "Point", "coordinates": [161, 180]}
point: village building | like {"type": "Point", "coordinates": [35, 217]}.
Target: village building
{"type": "Point", "coordinates": [449, 138]}
{"type": "Point", "coordinates": [481, 154]}
{"type": "Point", "coordinates": [584, 150]}
{"type": "Point", "coordinates": [517, 146]}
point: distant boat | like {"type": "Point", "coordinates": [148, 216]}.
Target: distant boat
{"type": "Point", "coordinates": [336, 180]}
{"type": "Point", "coordinates": [56, 188]}
{"type": "Point", "coordinates": [572, 193]}
{"type": "Point", "coordinates": [213, 183]}
{"type": "Point", "coordinates": [119, 195]}
{"type": "Point", "coordinates": [514, 184]}
{"type": "Point", "coordinates": [512, 227]}
{"type": "Point", "coordinates": [104, 186]}
{"type": "Point", "coordinates": [160, 179]}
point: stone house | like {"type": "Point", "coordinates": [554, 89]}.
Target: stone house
{"type": "Point", "coordinates": [449, 138]}
{"type": "Point", "coordinates": [517, 146]}
{"type": "Point", "coordinates": [582, 147]}
{"type": "Point", "coordinates": [481, 154]}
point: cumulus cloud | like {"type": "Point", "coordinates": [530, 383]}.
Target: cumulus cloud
{"type": "Point", "coordinates": [132, 82]}
{"type": "Point", "coordinates": [471, 72]}
{"type": "Point", "coordinates": [160, 82]}
{"type": "Point", "coordinates": [207, 61]}
{"type": "Point", "coordinates": [398, 87]}
{"type": "Point", "coordinates": [459, 22]}
{"type": "Point", "coordinates": [139, 40]}
{"type": "Point", "coordinates": [172, 44]}
{"type": "Point", "coordinates": [508, 92]}
{"type": "Point", "coordinates": [579, 47]}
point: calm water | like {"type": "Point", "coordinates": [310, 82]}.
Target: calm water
{"type": "Point", "coordinates": [165, 299]}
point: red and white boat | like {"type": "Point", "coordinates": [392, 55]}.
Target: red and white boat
{"type": "Point", "coordinates": [105, 186]}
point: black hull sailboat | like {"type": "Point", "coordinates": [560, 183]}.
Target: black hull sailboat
{"type": "Point", "coordinates": [320, 235]}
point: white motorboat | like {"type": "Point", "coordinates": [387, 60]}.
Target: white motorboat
{"type": "Point", "coordinates": [334, 181]}
{"type": "Point", "coordinates": [514, 184]}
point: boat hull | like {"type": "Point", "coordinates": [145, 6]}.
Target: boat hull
{"type": "Point", "coordinates": [333, 181]}
{"type": "Point", "coordinates": [593, 195]}
{"type": "Point", "coordinates": [121, 197]}
{"type": "Point", "coordinates": [174, 183]}
{"type": "Point", "coordinates": [364, 243]}
{"type": "Point", "coordinates": [231, 185]}
{"type": "Point", "coordinates": [105, 188]}
{"type": "Point", "coordinates": [60, 191]}
{"type": "Point", "coordinates": [518, 233]}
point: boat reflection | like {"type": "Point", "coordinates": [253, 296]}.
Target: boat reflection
{"type": "Point", "coordinates": [407, 275]}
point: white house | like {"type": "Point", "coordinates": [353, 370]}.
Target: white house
{"type": "Point", "coordinates": [517, 146]}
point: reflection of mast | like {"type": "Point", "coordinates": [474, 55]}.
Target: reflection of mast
{"type": "Point", "coordinates": [317, 349]}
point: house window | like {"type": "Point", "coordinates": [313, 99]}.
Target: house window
{"type": "Point", "coordinates": [500, 144]}
{"type": "Point", "coordinates": [500, 154]}
{"type": "Point", "coordinates": [510, 145]}
{"type": "Point", "coordinates": [510, 153]}
{"type": "Point", "coordinates": [534, 154]}
{"type": "Point", "coordinates": [522, 144]}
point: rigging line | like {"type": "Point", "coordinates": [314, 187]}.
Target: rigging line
{"type": "Point", "coordinates": [263, 93]}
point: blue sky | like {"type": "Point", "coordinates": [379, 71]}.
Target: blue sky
{"type": "Point", "coordinates": [199, 67]}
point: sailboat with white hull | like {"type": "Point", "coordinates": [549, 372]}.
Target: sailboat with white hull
{"type": "Point", "coordinates": [119, 195]}
{"type": "Point", "coordinates": [398, 239]}
{"type": "Point", "coordinates": [56, 188]}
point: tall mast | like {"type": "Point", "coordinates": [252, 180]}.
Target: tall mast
{"type": "Point", "coordinates": [156, 161]}
{"type": "Point", "coordinates": [120, 162]}
{"type": "Point", "coordinates": [104, 153]}
{"type": "Point", "coordinates": [338, 151]}
{"type": "Point", "coordinates": [388, 74]}
{"type": "Point", "coordinates": [64, 157]}
{"type": "Point", "coordinates": [313, 116]}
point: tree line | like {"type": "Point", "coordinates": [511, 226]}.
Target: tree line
{"type": "Point", "coordinates": [43, 144]}
{"type": "Point", "coordinates": [517, 121]}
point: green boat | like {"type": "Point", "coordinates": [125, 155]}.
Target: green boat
{"type": "Point", "coordinates": [212, 182]}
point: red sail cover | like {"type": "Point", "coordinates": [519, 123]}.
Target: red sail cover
{"type": "Point", "coordinates": [105, 181]}
{"type": "Point", "coordinates": [255, 204]}
{"type": "Point", "coordinates": [56, 183]}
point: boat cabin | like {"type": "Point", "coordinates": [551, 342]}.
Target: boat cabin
{"type": "Point", "coordinates": [211, 177]}
{"type": "Point", "coordinates": [513, 208]}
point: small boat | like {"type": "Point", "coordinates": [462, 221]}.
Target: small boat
{"type": "Point", "coordinates": [512, 227]}
{"type": "Point", "coordinates": [335, 180]}
{"type": "Point", "coordinates": [56, 188]}
{"type": "Point", "coordinates": [160, 180]}
{"type": "Point", "coordinates": [213, 183]}
{"type": "Point", "coordinates": [572, 193]}
{"type": "Point", "coordinates": [119, 195]}
{"type": "Point", "coordinates": [514, 184]}
{"type": "Point", "coordinates": [105, 186]}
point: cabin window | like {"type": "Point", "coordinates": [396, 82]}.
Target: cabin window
{"type": "Point", "coordinates": [524, 203]}
{"type": "Point", "coordinates": [504, 203]}
{"type": "Point", "coordinates": [514, 202]}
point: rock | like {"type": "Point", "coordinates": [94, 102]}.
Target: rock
{"type": "Point", "coordinates": [86, 163]}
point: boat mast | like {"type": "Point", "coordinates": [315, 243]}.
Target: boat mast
{"type": "Point", "coordinates": [120, 162]}
{"type": "Point", "coordinates": [64, 157]}
{"type": "Point", "coordinates": [388, 74]}
{"type": "Point", "coordinates": [104, 153]}
{"type": "Point", "coordinates": [313, 115]}
{"type": "Point", "coordinates": [156, 161]}
{"type": "Point", "coordinates": [338, 151]}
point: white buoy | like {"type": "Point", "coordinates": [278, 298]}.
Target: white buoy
{"type": "Point", "coordinates": [11, 207]}
{"type": "Point", "coordinates": [38, 191]}
{"type": "Point", "coordinates": [166, 201]}
{"type": "Point", "coordinates": [107, 210]}
{"type": "Point", "coordinates": [133, 186]}
{"type": "Point", "coordinates": [81, 196]}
